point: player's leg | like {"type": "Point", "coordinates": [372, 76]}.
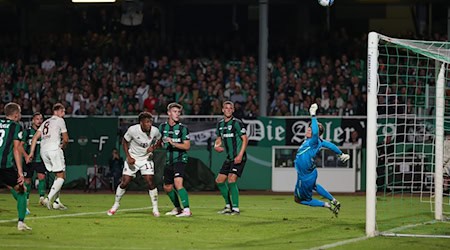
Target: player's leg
{"type": "Point", "coordinates": [170, 190]}
{"type": "Point", "coordinates": [303, 192]}
{"type": "Point", "coordinates": [54, 162]}
{"type": "Point", "coordinates": [55, 189]}
{"type": "Point", "coordinates": [235, 172]}
{"type": "Point", "coordinates": [41, 174]}
{"type": "Point", "coordinates": [323, 192]}
{"type": "Point", "coordinates": [222, 184]}
{"type": "Point", "coordinates": [182, 192]}
{"type": "Point", "coordinates": [127, 175]}
{"type": "Point", "coordinates": [8, 176]}
{"type": "Point", "coordinates": [148, 172]}
{"type": "Point", "coordinates": [28, 171]}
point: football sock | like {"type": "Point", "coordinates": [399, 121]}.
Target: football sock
{"type": "Point", "coordinates": [21, 205]}
{"type": "Point", "coordinates": [41, 188]}
{"type": "Point", "coordinates": [119, 193]}
{"type": "Point", "coordinates": [322, 191]}
{"type": "Point", "coordinates": [14, 193]}
{"type": "Point", "coordinates": [56, 187]}
{"type": "Point", "coordinates": [154, 198]}
{"type": "Point", "coordinates": [174, 198]}
{"type": "Point", "coordinates": [223, 187]}
{"type": "Point", "coordinates": [313, 203]}
{"type": "Point", "coordinates": [234, 190]}
{"type": "Point", "coordinates": [28, 186]}
{"type": "Point", "coordinates": [184, 197]}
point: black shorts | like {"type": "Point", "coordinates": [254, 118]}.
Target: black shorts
{"type": "Point", "coordinates": [173, 171]}
{"type": "Point", "coordinates": [30, 168]}
{"type": "Point", "coordinates": [229, 167]}
{"type": "Point", "coordinates": [8, 176]}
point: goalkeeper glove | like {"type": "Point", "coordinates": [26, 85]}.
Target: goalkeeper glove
{"type": "Point", "coordinates": [344, 157]}
{"type": "Point", "coordinates": [313, 109]}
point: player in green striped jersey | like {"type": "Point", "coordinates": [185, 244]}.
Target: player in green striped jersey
{"type": "Point", "coordinates": [231, 138]}
{"type": "Point", "coordinates": [37, 165]}
{"type": "Point", "coordinates": [175, 139]}
{"type": "Point", "coordinates": [11, 150]}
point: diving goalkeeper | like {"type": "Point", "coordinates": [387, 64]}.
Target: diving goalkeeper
{"type": "Point", "coordinates": [306, 166]}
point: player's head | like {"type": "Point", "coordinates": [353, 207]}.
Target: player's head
{"type": "Point", "coordinates": [59, 110]}
{"type": "Point", "coordinates": [228, 108]}
{"type": "Point", "coordinates": [12, 111]}
{"type": "Point", "coordinates": [309, 130]}
{"type": "Point", "coordinates": [174, 111]}
{"type": "Point", "coordinates": [37, 119]}
{"type": "Point", "coordinates": [146, 121]}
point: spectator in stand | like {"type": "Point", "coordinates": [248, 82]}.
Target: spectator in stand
{"type": "Point", "coordinates": [150, 102]}
{"type": "Point", "coordinates": [142, 92]}
{"type": "Point", "coordinates": [48, 65]}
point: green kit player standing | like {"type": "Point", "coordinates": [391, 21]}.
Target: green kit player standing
{"type": "Point", "coordinates": [11, 175]}
{"type": "Point", "coordinates": [175, 137]}
{"type": "Point", "coordinates": [231, 138]}
{"type": "Point", "coordinates": [36, 165]}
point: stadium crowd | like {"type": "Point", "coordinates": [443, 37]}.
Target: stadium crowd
{"type": "Point", "coordinates": [107, 71]}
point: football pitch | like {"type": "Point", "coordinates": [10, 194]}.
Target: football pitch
{"type": "Point", "coordinates": [267, 221]}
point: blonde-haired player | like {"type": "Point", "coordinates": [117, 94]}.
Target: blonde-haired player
{"type": "Point", "coordinates": [54, 138]}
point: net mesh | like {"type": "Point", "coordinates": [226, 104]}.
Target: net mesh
{"type": "Point", "coordinates": [406, 133]}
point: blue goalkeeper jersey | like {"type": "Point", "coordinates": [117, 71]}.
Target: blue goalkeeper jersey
{"type": "Point", "coordinates": [305, 159]}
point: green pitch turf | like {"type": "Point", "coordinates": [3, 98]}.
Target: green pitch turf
{"type": "Point", "coordinates": [266, 222]}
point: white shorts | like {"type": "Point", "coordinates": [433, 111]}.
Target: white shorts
{"type": "Point", "coordinates": [54, 160]}
{"type": "Point", "coordinates": [146, 168]}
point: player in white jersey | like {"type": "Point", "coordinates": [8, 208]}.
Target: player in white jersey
{"type": "Point", "coordinates": [54, 139]}
{"type": "Point", "coordinates": [138, 143]}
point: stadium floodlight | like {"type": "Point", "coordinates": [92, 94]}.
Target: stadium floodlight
{"type": "Point", "coordinates": [407, 192]}
{"type": "Point", "coordinates": [93, 1]}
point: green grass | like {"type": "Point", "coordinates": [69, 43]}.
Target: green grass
{"type": "Point", "coordinates": [266, 222]}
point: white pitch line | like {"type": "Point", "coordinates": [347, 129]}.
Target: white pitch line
{"type": "Point", "coordinates": [340, 243]}
{"type": "Point", "coordinates": [21, 246]}
{"type": "Point", "coordinates": [74, 215]}
{"type": "Point", "coordinates": [121, 210]}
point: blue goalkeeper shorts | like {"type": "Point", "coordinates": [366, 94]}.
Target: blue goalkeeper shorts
{"type": "Point", "coordinates": [305, 186]}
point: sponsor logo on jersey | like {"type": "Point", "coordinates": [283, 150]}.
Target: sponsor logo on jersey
{"type": "Point", "coordinates": [229, 135]}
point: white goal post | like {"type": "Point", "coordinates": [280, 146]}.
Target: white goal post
{"type": "Point", "coordinates": [430, 114]}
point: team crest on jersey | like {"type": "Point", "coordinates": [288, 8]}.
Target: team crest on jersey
{"type": "Point", "coordinates": [229, 127]}
{"type": "Point", "coordinates": [177, 132]}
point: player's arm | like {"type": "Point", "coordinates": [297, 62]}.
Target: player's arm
{"type": "Point", "coordinates": [241, 131]}
{"type": "Point", "coordinates": [238, 158]}
{"type": "Point", "coordinates": [218, 145]}
{"type": "Point", "coordinates": [18, 158]}
{"type": "Point", "coordinates": [125, 145]}
{"type": "Point", "coordinates": [185, 144]}
{"type": "Point", "coordinates": [329, 145]}
{"type": "Point", "coordinates": [36, 137]}
{"type": "Point", "coordinates": [65, 135]}
{"type": "Point", "coordinates": [65, 140]}
{"type": "Point", "coordinates": [22, 145]}
{"type": "Point", "coordinates": [23, 151]}
{"type": "Point", "coordinates": [157, 144]}
{"type": "Point", "coordinates": [314, 124]}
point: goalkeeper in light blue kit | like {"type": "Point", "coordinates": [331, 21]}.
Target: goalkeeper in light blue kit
{"type": "Point", "coordinates": [306, 166]}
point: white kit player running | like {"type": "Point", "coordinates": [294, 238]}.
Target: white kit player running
{"type": "Point", "coordinates": [138, 143]}
{"type": "Point", "coordinates": [54, 139]}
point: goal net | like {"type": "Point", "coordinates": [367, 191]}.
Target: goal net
{"type": "Point", "coordinates": [408, 120]}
